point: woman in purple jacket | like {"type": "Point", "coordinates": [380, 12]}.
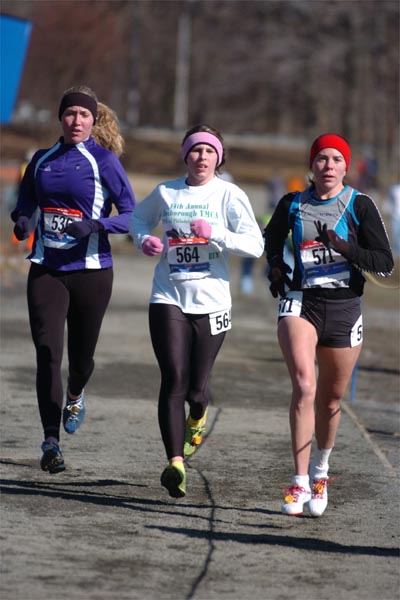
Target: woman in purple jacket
{"type": "Point", "coordinates": [72, 187]}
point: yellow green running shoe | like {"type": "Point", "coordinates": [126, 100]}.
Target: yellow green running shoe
{"type": "Point", "coordinates": [174, 479]}
{"type": "Point", "coordinates": [194, 434]}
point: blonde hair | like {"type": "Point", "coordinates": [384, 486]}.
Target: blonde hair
{"type": "Point", "coordinates": [106, 130]}
{"type": "Point", "coordinates": [82, 89]}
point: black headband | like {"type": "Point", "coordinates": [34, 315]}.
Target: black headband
{"type": "Point", "coordinates": [78, 99]}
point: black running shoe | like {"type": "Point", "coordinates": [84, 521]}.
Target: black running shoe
{"type": "Point", "coordinates": [52, 459]}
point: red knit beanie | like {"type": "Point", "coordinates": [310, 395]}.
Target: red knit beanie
{"type": "Point", "coordinates": [331, 140]}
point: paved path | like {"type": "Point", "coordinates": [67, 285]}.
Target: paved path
{"type": "Point", "coordinates": [105, 529]}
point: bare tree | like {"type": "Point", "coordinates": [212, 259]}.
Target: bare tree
{"type": "Point", "coordinates": [289, 68]}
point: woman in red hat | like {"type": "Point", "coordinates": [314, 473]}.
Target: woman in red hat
{"type": "Point", "coordinates": [337, 232]}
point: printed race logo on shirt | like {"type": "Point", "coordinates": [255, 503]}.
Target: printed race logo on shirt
{"type": "Point", "coordinates": [55, 220]}
{"type": "Point", "coordinates": [188, 258]}
{"type": "Point", "coordinates": [323, 267]}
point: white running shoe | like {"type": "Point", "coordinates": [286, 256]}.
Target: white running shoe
{"type": "Point", "coordinates": [295, 498]}
{"type": "Point", "coordinates": [319, 497]}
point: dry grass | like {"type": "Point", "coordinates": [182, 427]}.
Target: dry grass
{"type": "Point", "coordinates": [158, 154]}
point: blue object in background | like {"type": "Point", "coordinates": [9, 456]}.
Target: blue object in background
{"type": "Point", "coordinates": [354, 384]}
{"type": "Point", "coordinates": [14, 39]}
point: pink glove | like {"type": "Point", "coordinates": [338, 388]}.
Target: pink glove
{"type": "Point", "coordinates": [201, 228]}
{"type": "Point", "coordinates": [152, 246]}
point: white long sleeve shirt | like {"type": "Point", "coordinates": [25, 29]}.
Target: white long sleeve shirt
{"type": "Point", "coordinates": [193, 273]}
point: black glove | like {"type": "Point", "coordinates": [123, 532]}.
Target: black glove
{"type": "Point", "coordinates": [322, 234]}
{"type": "Point", "coordinates": [21, 228]}
{"type": "Point", "coordinates": [278, 276]}
{"type": "Point", "coordinates": [81, 229]}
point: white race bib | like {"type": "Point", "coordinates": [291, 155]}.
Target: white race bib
{"type": "Point", "coordinates": [356, 335]}
{"type": "Point", "coordinates": [220, 321]}
{"type": "Point", "coordinates": [188, 258]}
{"type": "Point", "coordinates": [323, 267]}
{"type": "Point", "coordinates": [55, 220]}
{"type": "Point", "coordinates": [290, 305]}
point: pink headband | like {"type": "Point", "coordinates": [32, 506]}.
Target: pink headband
{"type": "Point", "coordinates": [202, 137]}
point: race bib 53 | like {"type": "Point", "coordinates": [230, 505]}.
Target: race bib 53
{"type": "Point", "coordinates": [55, 220]}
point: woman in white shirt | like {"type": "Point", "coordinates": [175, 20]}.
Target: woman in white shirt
{"type": "Point", "coordinates": [204, 218]}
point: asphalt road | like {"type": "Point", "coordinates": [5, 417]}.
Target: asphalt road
{"type": "Point", "coordinates": [105, 529]}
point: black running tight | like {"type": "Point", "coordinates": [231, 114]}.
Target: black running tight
{"type": "Point", "coordinates": [186, 352]}
{"type": "Point", "coordinates": [79, 298]}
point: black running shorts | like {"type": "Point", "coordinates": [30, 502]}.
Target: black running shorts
{"type": "Point", "coordinates": [338, 322]}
